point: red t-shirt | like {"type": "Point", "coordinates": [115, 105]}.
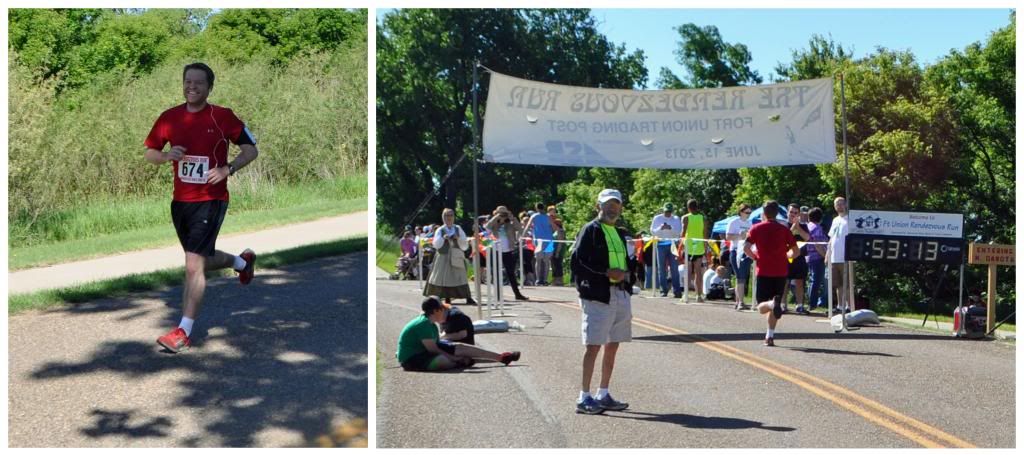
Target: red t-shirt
{"type": "Point", "coordinates": [205, 136]}
{"type": "Point", "coordinates": [772, 240]}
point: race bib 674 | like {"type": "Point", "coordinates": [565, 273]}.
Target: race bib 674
{"type": "Point", "coordinates": [193, 169]}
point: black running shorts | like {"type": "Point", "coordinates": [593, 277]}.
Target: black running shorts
{"type": "Point", "coordinates": [768, 287]}
{"type": "Point", "coordinates": [798, 269]}
{"type": "Point", "coordinates": [197, 224]}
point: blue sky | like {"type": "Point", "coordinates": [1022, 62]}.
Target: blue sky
{"type": "Point", "coordinates": [771, 34]}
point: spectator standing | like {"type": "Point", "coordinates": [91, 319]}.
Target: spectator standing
{"type": "Point", "coordinates": [558, 256]}
{"type": "Point", "coordinates": [600, 270]}
{"type": "Point", "coordinates": [543, 233]}
{"type": "Point", "coordinates": [667, 227]}
{"type": "Point", "coordinates": [816, 259]}
{"type": "Point", "coordinates": [529, 278]}
{"type": "Point", "coordinates": [695, 231]}
{"type": "Point", "coordinates": [448, 274]}
{"type": "Point", "coordinates": [837, 252]}
{"type": "Point", "coordinates": [736, 233]}
{"type": "Point", "coordinates": [505, 228]}
{"type": "Point", "coordinates": [798, 265]}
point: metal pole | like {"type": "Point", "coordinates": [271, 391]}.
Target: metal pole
{"type": "Point", "coordinates": [654, 267]}
{"type": "Point", "coordinates": [476, 222]}
{"type": "Point", "coordinates": [846, 156]}
{"type": "Point", "coordinates": [960, 304]}
{"type": "Point", "coordinates": [420, 266]}
{"type": "Point", "coordinates": [848, 282]}
{"type": "Point", "coordinates": [490, 282]}
{"type": "Point", "coordinates": [500, 291]}
{"type": "Point", "coordinates": [522, 269]}
{"type": "Point", "coordinates": [828, 284]}
{"type": "Point", "coordinates": [686, 279]}
{"type": "Point", "coordinates": [850, 295]}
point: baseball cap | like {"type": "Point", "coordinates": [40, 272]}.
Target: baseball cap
{"type": "Point", "coordinates": [668, 207]}
{"type": "Point", "coordinates": [609, 194]}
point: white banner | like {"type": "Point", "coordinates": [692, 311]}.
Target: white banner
{"type": "Point", "coordinates": [908, 224]}
{"type": "Point", "coordinates": [531, 122]}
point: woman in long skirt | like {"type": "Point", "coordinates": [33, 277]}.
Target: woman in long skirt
{"type": "Point", "coordinates": [448, 275]}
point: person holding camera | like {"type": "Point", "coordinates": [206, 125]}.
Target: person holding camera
{"type": "Point", "coordinates": [448, 276]}
{"type": "Point", "coordinates": [506, 229]}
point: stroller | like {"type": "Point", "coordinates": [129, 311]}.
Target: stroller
{"type": "Point", "coordinates": [405, 268]}
{"type": "Point", "coordinates": [428, 259]}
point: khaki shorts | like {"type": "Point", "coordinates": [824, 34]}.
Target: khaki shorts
{"type": "Point", "coordinates": [607, 323]}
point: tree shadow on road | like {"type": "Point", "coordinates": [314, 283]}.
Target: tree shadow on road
{"type": "Point", "coordinates": [116, 422]}
{"type": "Point", "coordinates": [758, 336]}
{"type": "Point", "coordinates": [288, 352]}
{"type": "Point", "coordinates": [700, 422]}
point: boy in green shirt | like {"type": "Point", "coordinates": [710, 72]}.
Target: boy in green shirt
{"type": "Point", "coordinates": [420, 347]}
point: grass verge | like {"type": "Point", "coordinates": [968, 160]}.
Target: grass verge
{"type": "Point", "coordinates": [116, 287]}
{"type": "Point", "coordinates": [941, 318]}
{"type": "Point", "coordinates": [380, 371]}
{"type": "Point", "coordinates": [110, 227]}
{"type": "Point", "coordinates": [388, 251]}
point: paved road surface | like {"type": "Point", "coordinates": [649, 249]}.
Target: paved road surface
{"type": "Point", "coordinates": [276, 363]}
{"type": "Point", "coordinates": [715, 387]}
{"type": "Point", "coordinates": [280, 238]}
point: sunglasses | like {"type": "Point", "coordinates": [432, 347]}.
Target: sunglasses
{"type": "Point", "coordinates": [748, 212]}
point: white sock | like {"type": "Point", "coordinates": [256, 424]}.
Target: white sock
{"type": "Point", "coordinates": [239, 263]}
{"type": "Point", "coordinates": [601, 393]}
{"type": "Point", "coordinates": [771, 333]}
{"type": "Point", "coordinates": [186, 325]}
{"type": "Point", "coordinates": [584, 396]}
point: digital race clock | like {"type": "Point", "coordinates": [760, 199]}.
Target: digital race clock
{"type": "Point", "coordinates": [917, 237]}
{"type": "Point", "coordinates": [870, 247]}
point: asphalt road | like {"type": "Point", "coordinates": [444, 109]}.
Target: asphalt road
{"type": "Point", "coordinates": [276, 363]}
{"type": "Point", "coordinates": [697, 375]}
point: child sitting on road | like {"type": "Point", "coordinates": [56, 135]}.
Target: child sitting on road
{"type": "Point", "coordinates": [716, 284]}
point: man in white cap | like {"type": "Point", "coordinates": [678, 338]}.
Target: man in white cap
{"type": "Point", "coordinates": [599, 265]}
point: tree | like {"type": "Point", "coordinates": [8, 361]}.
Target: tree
{"type": "Point", "coordinates": [239, 34]}
{"type": "Point", "coordinates": [799, 184]}
{"type": "Point", "coordinates": [45, 40]}
{"type": "Point", "coordinates": [425, 61]}
{"type": "Point", "coordinates": [710, 61]}
{"type": "Point", "coordinates": [821, 59]}
{"type": "Point", "coordinates": [978, 84]}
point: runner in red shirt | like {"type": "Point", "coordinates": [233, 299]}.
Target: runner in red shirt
{"type": "Point", "coordinates": [774, 244]}
{"type": "Point", "coordinates": [199, 134]}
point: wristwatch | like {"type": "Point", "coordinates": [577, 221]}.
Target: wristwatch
{"type": "Point", "coordinates": [231, 169]}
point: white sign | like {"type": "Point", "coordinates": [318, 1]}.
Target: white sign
{"type": "Point", "coordinates": [531, 122]}
{"type": "Point", "coordinates": [192, 169]}
{"type": "Point", "coordinates": [909, 224]}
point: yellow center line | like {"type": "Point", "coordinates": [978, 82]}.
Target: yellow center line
{"type": "Point", "coordinates": [881, 415]}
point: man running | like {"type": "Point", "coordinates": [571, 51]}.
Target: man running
{"type": "Point", "coordinates": [600, 270]}
{"type": "Point", "coordinates": [199, 134]}
{"type": "Point", "coordinates": [768, 243]}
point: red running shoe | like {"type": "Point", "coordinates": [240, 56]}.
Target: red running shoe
{"type": "Point", "coordinates": [175, 340]}
{"type": "Point", "coordinates": [508, 357]}
{"type": "Point", "coordinates": [245, 275]}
